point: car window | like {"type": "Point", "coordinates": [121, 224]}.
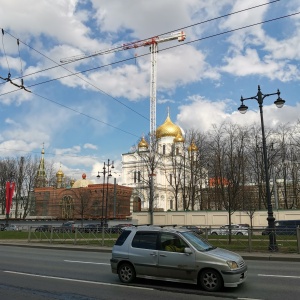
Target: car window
{"type": "Point", "coordinates": [199, 243]}
{"type": "Point", "coordinates": [122, 238]}
{"type": "Point", "coordinates": [169, 241]}
{"type": "Point", "coordinates": [145, 240]}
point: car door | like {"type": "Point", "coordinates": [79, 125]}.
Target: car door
{"type": "Point", "coordinates": [175, 265]}
{"type": "Point", "coordinates": [144, 254]}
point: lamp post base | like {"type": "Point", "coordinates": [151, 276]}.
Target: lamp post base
{"type": "Point", "coordinates": [272, 241]}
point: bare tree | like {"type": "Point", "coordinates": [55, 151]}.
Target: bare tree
{"type": "Point", "coordinates": [151, 159]}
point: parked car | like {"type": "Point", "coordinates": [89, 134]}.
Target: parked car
{"type": "Point", "coordinates": [225, 230]}
{"type": "Point", "coordinates": [91, 228]}
{"type": "Point", "coordinates": [65, 227]}
{"type": "Point", "coordinates": [43, 228]}
{"type": "Point", "coordinates": [118, 228]}
{"type": "Point", "coordinates": [175, 254]}
{"type": "Point", "coordinates": [193, 228]}
{"type": "Point", "coordinates": [284, 227]}
{"type": "Point", "coordinates": [11, 227]}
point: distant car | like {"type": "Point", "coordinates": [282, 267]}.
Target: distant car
{"type": "Point", "coordinates": [91, 228]}
{"type": "Point", "coordinates": [2, 227]}
{"type": "Point", "coordinates": [43, 228]}
{"type": "Point", "coordinates": [225, 230]}
{"type": "Point", "coordinates": [193, 228]}
{"type": "Point", "coordinates": [118, 228]}
{"type": "Point", "coordinates": [65, 227]}
{"type": "Point", "coordinates": [284, 227]}
{"type": "Point", "coordinates": [244, 225]}
{"type": "Point", "coordinates": [11, 227]}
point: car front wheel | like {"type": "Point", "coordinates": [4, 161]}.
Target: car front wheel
{"type": "Point", "coordinates": [126, 273]}
{"type": "Point", "coordinates": [210, 280]}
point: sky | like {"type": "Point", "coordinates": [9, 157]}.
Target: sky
{"type": "Point", "coordinates": [94, 109]}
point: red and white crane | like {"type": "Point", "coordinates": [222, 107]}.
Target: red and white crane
{"type": "Point", "coordinates": [153, 44]}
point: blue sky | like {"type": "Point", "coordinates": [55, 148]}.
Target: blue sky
{"type": "Point", "coordinates": [85, 119]}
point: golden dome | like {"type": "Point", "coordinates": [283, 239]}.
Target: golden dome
{"type": "Point", "coordinates": [192, 147]}
{"type": "Point", "coordinates": [143, 143]}
{"type": "Point", "coordinates": [168, 128]}
{"type": "Point", "coordinates": [60, 173]}
{"type": "Point", "coordinates": [179, 139]}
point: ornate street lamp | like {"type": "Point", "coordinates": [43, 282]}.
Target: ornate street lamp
{"type": "Point", "coordinates": [242, 109]}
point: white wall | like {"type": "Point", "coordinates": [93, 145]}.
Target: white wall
{"type": "Point", "coordinates": [212, 218]}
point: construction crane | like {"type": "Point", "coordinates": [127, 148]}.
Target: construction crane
{"type": "Point", "coordinates": [153, 44]}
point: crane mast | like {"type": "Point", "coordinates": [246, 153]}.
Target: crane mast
{"type": "Point", "coordinates": [153, 44]}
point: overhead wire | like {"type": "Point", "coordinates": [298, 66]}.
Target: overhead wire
{"type": "Point", "coordinates": [83, 114]}
{"type": "Point", "coordinates": [94, 54]}
{"type": "Point", "coordinates": [163, 49]}
{"type": "Point", "coordinates": [128, 59]}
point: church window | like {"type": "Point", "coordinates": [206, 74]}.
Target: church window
{"type": "Point", "coordinates": [164, 149]}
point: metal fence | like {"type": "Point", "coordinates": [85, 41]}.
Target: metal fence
{"type": "Point", "coordinates": [253, 240]}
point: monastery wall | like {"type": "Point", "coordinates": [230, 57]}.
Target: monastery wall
{"type": "Point", "coordinates": [212, 218]}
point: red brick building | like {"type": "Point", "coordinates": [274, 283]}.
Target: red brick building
{"type": "Point", "coordinates": [81, 199]}
{"type": "Point", "coordinates": [95, 201]}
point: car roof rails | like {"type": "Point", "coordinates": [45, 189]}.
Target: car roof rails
{"type": "Point", "coordinates": [168, 225]}
{"type": "Point", "coordinates": [141, 225]}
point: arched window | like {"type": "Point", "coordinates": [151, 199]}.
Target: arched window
{"type": "Point", "coordinates": [164, 149]}
{"type": "Point", "coordinates": [67, 207]}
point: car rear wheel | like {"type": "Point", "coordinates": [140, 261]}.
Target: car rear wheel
{"type": "Point", "coordinates": [126, 273]}
{"type": "Point", "coordinates": [214, 233]}
{"type": "Point", "coordinates": [239, 233]}
{"type": "Point", "coordinates": [210, 280]}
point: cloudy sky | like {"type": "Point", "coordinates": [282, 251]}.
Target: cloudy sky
{"type": "Point", "coordinates": [95, 109]}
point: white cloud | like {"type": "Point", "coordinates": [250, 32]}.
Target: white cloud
{"type": "Point", "coordinates": [90, 146]}
{"type": "Point", "coordinates": [201, 114]}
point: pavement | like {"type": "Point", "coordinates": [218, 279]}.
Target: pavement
{"type": "Point", "coordinates": [271, 256]}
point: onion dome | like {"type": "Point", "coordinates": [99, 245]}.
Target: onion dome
{"type": "Point", "coordinates": [179, 139]}
{"type": "Point", "coordinates": [143, 143]}
{"type": "Point", "coordinates": [60, 174]}
{"type": "Point", "coordinates": [192, 147]}
{"type": "Point", "coordinates": [168, 128]}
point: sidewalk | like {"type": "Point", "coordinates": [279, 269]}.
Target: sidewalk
{"type": "Point", "coordinates": [271, 256]}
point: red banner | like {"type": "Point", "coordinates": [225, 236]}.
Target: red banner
{"type": "Point", "coordinates": [10, 188]}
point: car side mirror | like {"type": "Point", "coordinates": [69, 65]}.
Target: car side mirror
{"type": "Point", "coordinates": [187, 251]}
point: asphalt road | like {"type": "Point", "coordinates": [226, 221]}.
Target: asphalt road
{"type": "Point", "coordinates": [34, 273]}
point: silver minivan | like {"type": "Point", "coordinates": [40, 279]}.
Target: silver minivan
{"type": "Point", "coordinates": [175, 254]}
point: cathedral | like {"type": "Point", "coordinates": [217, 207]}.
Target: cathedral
{"type": "Point", "coordinates": [166, 166]}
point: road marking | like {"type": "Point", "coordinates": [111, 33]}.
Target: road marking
{"type": "Point", "coordinates": [248, 299]}
{"type": "Point", "coordinates": [79, 280]}
{"type": "Point", "coordinates": [86, 262]}
{"type": "Point", "coordinates": [279, 276]}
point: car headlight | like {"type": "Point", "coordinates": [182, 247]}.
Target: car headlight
{"type": "Point", "coordinates": [232, 264]}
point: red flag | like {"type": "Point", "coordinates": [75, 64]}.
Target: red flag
{"type": "Point", "coordinates": [10, 188]}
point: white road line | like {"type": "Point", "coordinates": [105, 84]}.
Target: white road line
{"type": "Point", "coordinates": [248, 299]}
{"type": "Point", "coordinates": [86, 262]}
{"type": "Point", "coordinates": [78, 280]}
{"type": "Point", "coordinates": [279, 276]}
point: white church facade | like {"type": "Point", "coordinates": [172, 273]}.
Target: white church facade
{"type": "Point", "coordinates": [166, 160]}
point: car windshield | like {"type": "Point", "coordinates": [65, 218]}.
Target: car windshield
{"type": "Point", "coordinates": [199, 243]}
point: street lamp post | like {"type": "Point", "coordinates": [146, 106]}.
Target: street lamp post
{"type": "Point", "coordinates": [242, 109]}
{"type": "Point", "coordinates": [109, 167]}
{"type": "Point", "coordinates": [106, 173]}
